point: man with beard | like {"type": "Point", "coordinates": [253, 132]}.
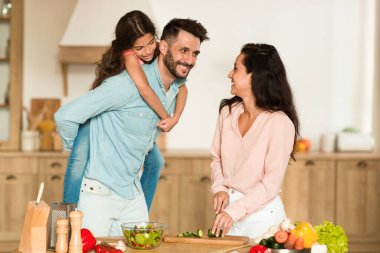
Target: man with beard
{"type": "Point", "coordinates": [123, 129]}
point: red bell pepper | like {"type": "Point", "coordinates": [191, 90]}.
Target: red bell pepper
{"type": "Point", "coordinates": [88, 240]}
{"type": "Point", "coordinates": [258, 249]}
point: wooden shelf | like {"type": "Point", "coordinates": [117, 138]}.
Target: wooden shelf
{"type": "Point", "coordinates": [78, 55]}
{"type": "Point", "coordinates": [5, 19]}
{"type": "Point", "coordinates": [4, 106]}
{"type": "Point", "coordinates": [14, 62]}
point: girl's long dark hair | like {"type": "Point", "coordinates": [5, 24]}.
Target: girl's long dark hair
{"type": "Point", "coordinates": [130, 27]}
{"type": "Point", "coordinates": [269, 83]}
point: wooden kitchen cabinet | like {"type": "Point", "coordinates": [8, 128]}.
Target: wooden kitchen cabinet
{"type": "Point", "coordinates": [18, 185]}
{"type": "Point", "coordinates": [342, 188]}
{"type": "Point", "coordinates": [20, 178]}
{"type": "Point", "coordinates": [308, 190]}
{"type": "Point", "coordinates": [165, 206]}
{"type": "Point", "coordinates": [196, 206]}
{"type": "Point", "coordinates": [183, 198]}
{"type": "Point", "coordinates": [317, 187]}
{"type": "Point", "coordinates": [358, 203]}
{"type": "Point", "coordinates": [52, 173]}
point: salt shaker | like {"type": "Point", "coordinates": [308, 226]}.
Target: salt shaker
{"type": "Point", "coordinates": [61, 245]}
{"type": "Point", "coordinates": [76, 225]}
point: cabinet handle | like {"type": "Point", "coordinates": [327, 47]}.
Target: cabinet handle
{"type": "Point", "coordinates": [11, 177]}
{"type": "Point", "coordinates": [205, 179]}
{"type": "Point", "coordinates": [362, 164]}
{"type": "Point", "coordinates": [165, 164]}
{"type": "Point", "coordinates": [309, 163]}
{"type": "Point", "coordinates": [162, 178]}
{"type": "Point", "coordinates": [56, 165]}
{"type": "Point", "coordinates": [55, 177]}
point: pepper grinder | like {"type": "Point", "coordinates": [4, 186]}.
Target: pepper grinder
{"type": "Point", "coordinates": [61, 245]}
{"type": "Point", "coordinates": [76, 224]}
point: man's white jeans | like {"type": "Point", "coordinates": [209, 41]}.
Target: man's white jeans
{"type": "Point", "coordinates": [257, 223]}
{"type": "Point", "coordinates": [104, 211]}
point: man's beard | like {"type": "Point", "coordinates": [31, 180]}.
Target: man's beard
{"type": "Point", "coordinates": [171, 65]}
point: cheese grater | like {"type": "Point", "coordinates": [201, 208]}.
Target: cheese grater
{"type": "Point", "coordinates": [57, 211]}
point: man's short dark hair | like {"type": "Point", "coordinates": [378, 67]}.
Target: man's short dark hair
{"type": "Point", "coordinates": [175, 25]}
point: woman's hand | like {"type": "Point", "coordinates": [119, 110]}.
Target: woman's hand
{"type": "Point", "coordinates": [221, 200]}
{"type": "Point", "coordinates": [222, 221]}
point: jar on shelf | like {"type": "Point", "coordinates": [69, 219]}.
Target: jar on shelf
{"type": "Point", "coordinates": [30, 140]}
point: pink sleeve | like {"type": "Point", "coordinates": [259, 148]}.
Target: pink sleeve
{"type": "Point", "coordinates": [276, 162]}
{"type": "Point", "coordinates": [130, 52]}
{"type": "Point", "coordinates": [217, 177]}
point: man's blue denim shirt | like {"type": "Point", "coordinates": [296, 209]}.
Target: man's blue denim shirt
{"type": "Point", "coordinates": [122, 130]}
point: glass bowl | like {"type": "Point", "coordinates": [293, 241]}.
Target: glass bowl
{"type": "Point", "coordinates": [143, 235]}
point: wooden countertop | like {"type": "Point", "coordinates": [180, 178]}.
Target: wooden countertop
{"type": "Point", "coordinates": [204, 153]}
{"type": "Point", "coordinates": [180, 247]}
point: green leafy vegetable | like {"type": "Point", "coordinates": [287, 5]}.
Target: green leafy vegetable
{"type": "Point", "coordinates": [333, 237]}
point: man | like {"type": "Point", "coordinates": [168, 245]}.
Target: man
{"type": "Point", "coordinates": [123, 129]}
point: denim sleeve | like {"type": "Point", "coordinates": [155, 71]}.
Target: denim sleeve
{"type": "Point", "coordinates": [154, 162]}
{"type": "Point", "coordinates": [77, 164]}
{"type": "Point", "coordinates": [109, 96]}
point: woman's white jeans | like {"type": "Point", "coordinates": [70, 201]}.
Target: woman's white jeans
{"type": "Point", "coordinates": [104, 211]}
{"type": "Point", "coordinates": [257, 223]}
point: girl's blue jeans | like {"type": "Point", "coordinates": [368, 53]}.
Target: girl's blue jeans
{"type": "Point", "coordinates": [80, 154]}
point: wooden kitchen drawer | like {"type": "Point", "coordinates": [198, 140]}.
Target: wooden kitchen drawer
{"type": "Point", "coordinates": [23, 188]}
{"type": "Point", "coordinates": [52, 173]}
{"type": "Point", "coordinates": [20, 165]}
{"type": "Point", "coordinates": [311, 164]}
{"type": "Point", "coordinates": [173, 166]}
{"type": "Point", "coordinates": [358, 205]}
{"type": "Point", "coordinates": [199, 166]}
{"type": "Point", "coordinates": [308, 190]}
{"type": "Point", "coordinates": [53, 165]}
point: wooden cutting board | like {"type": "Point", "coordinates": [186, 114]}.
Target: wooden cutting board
{"type": "Point", "coordinates": [51, 104]}
{"type": "Point", "coordinates": [227, 240]}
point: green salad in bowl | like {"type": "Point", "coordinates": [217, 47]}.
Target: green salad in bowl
{"type": "Point", "coordinates": [143, 235]}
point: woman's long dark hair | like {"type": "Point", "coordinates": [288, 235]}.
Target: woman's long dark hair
{"type": "Point", "coordinates": [130, 27]}
{"type": "Point", "coordinates": [269, 83]}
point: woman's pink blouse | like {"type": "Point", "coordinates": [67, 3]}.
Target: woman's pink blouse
{"type": "Point", "coordinates": [254, 164]}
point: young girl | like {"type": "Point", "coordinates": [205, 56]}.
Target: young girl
{"type": "Point", "coordinates": [140, 47]}
{"type": "Point", "coordinates": [253, 142]}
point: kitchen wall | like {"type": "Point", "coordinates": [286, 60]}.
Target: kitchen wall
{"type": "Point", "coordinates": [376, 94]}
{"type": "Point", "coordinates": [327, 47]}
{"type": "Point", "coordinates": [45, 22]}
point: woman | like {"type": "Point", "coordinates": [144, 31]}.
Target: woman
{"type": "Point", "coordinates": [254, 139]}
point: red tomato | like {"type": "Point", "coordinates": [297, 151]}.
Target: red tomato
{"type": "Point", "coordinates": [98, 249]}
